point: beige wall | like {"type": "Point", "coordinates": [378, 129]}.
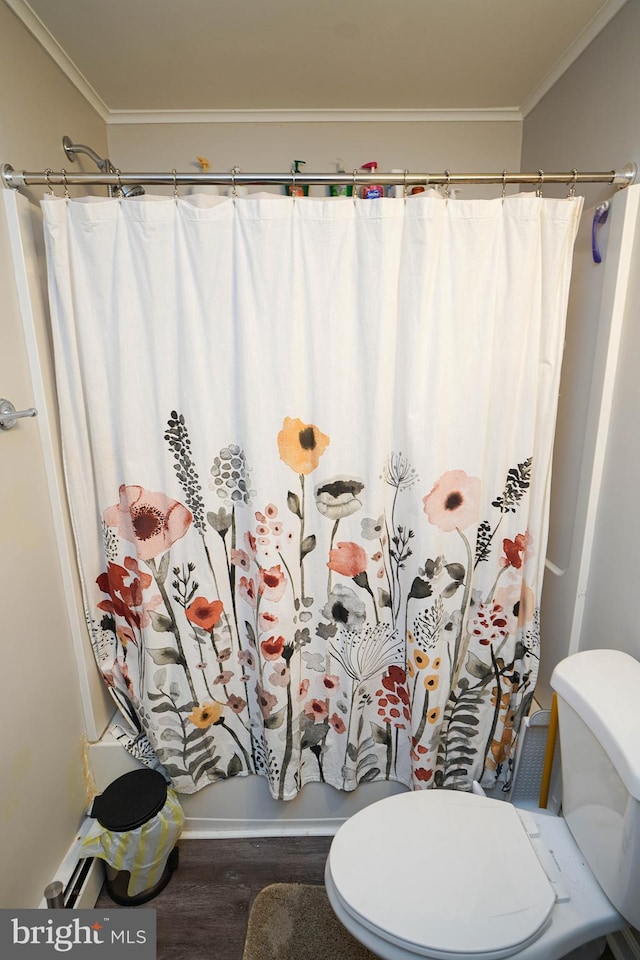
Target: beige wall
{"type": "Point", "coordinates": [590, 120]}
{"type": "Point", "coordinates": [43, 793]}
{"type": "Point", "coordinates": [271, 147]}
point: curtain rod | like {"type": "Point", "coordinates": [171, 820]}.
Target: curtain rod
{"type": "Point", "coordinates": [15, 179]}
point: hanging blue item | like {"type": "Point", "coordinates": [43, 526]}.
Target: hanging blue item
{"type": "Point", "coordinates": [599, 217]}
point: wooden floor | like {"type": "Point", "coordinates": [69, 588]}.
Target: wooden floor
{"type": "Point", "coordinates": [202, 914]}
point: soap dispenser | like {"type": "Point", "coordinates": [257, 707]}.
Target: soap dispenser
{"type": "Point", "coordinates": [340, 189]}
{"type": "Point", "coordinates": [372, 190]}
{"type": "Point", "coordinates": [298, 189]}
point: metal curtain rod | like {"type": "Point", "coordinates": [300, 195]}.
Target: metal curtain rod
{"type": "Point", "coordinates": [15, 179]}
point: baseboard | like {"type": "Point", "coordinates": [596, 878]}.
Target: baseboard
{"type": "Point", "coordinates": [209, 829]}
{"type": "Point", "coordinates": [625, 945]}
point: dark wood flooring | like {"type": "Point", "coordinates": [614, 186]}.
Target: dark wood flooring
{"type": "Point", "coordinates": [202, 914]}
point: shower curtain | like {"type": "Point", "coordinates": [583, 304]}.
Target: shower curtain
{"type": "Point", "coordinates": [307, 446]}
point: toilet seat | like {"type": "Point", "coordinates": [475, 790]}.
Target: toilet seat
{"type": "Point", "coordinates": [398, 868]}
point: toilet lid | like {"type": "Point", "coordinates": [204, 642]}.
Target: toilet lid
{"type": "Point", "coordinates": [442, 873]}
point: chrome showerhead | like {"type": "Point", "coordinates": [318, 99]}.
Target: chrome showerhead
{"type": "Point", "coordinates": [104, 164]}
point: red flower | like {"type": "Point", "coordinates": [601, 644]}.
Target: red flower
{"type": "Point", "coordinates": [421, 774]}
{"type": "Point", "coordinates": [272, 648]}
{"type": "Point", "coordinates": [349, 559]}
{"type": "Point", "coordinates": [337, 723]}
{"type": "Point", "coordinates": [125, 586]}
{"type": "Point", "coordinates": [393, 700]}
{"type": "Point", "coordinates": [514, 550]}
{"type": "Point", "coordinates": [204, 613]}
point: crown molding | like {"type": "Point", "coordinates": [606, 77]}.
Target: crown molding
{"type": "Point", "coordinates": [512, 114]}
{"type": "Point", "coordinates": [47, 41]}
{"type": "Point", "coordinates": [50, 45]}
{"type": "Point", "coordinates": [597, 23]}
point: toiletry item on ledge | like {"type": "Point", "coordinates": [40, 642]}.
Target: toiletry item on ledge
{"type": "Point", "coordinates": [340, 189]}
{"type": "Point", "coordinates": [372, 190]}
{"type": "Point", "coordinates": [298, 189]}
{"type": "Point", "coordinates": [211, 188]}
{"type": "Point", "coordinates": [396, 189]}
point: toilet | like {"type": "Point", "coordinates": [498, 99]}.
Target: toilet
{"type": "Point", "coordinates": [456, 876]}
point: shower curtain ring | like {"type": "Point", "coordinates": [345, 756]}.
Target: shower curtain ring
{"type": "Point", "coordinates": [64, 180]}
{"type": "Point", "coordinates": [234, 189]}
{"type": "Point", "coordinates": [175, 183]}
{"type": "Point", "coordinates": [119, 184]}
{"type": "Point", "coordinates": [540, 183]}
{"type": "Point", "coordinates": [447, 189]}
{"type": "Point", "coordinates": [47, 177]}
{"type": "Point", "coordinates": [293, 183]}
{"type": "Point", "coordinates": [572, 184]}
{"type": "Point", "coordinates": [404, 189]}
{"type": "Point", "coordinates": [355, 188]}
{"type": "Point", "coordinates": [504, 184]}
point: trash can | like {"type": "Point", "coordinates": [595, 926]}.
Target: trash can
{"type": "Point", "coordinates": [138, 820]}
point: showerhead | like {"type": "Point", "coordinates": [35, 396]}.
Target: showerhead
{"type": "Point", "coordinates": [104, 164]}
{"type": "Point", "coordinates": [132, 190]}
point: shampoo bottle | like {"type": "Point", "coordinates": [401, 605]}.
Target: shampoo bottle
{"type": "Point", "coordinates": [372, 190]}
{"type": "Point", "coordinates": [297, 189]}
{"type": "Point", "coordinates": [340, 189]}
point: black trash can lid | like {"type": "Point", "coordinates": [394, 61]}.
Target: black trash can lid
{"type": "Point", "coordinates": [131, 800]}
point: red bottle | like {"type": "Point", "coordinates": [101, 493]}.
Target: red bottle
{"type": "Point", "coordinates": [372, 190]}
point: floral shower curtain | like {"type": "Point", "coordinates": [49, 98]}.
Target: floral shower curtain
{"type": "Point", "coordinates": [307, 447]}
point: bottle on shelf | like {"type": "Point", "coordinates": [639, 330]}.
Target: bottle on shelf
{"type": "Point", "coordinates": [372, 190]}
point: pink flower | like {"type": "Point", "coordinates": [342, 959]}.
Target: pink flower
{"type": "Point", "coordinates": [317, 710]}
{"type": "Point", "coordinates": [224, 677]}
{"type": "Point", "coordinates": [247, 590]}
{"type": "Point", "coordinates": [454, 501]}
{"type": "Point", "coordinates": [349, 559]}
{"type": "Point", "coordinates": [266, 701]}
{"type": "Point", "coordinates": [271, 511]}
{"type": "Point", "coordinates": [246, 657]}
{"type": "Point", "coordinates": [268, 621]}
{"type": "Point", "coordinates": [273, 583]}
{"type": "Point", "coordinates": [331, 682]}
{"type": "Point", "coordinates": [152, 521]}
{"type": "Point", "coordinates": [302, 691]}
{"type": "Point", "coordinates": [280, 676]}
{"type": "Point", "coordinates": [240, 558]}
{"type": "Point", "coordinates": [236, 703]}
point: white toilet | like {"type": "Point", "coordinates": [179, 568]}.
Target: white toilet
{"type": "Point", "coordinates": [456, 876]}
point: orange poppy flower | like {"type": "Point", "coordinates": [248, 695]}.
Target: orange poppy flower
{"type": "Point", "coordinates": [301, 445]}
{"type": "Point", "coordinates": [204, 716]}
{"type": "Point", "coordinates": [203, 613]}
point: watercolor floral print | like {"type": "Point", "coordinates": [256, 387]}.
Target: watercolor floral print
{"type": "Point", "coordinates": [305, 637]}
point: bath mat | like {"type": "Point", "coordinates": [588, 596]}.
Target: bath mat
{"type": "Point", "coordinates": [294, 921]}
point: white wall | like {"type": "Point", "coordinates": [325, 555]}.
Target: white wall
{"type": "Point", "coordinates": [271, 147]}
{"type": "Point", "coordinates": [589, 120]}
{"type": "Point", "coordinates": [43, 791]}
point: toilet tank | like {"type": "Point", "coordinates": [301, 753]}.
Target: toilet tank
{"type": "Point", "coordinates": [599, 720]}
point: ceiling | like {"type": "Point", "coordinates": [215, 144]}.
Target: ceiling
{"type": "Point", "coordinates": [314, 55]}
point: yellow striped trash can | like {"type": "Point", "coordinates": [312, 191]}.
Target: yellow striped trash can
{"type": "Point", "coordinates": [138, 820]}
